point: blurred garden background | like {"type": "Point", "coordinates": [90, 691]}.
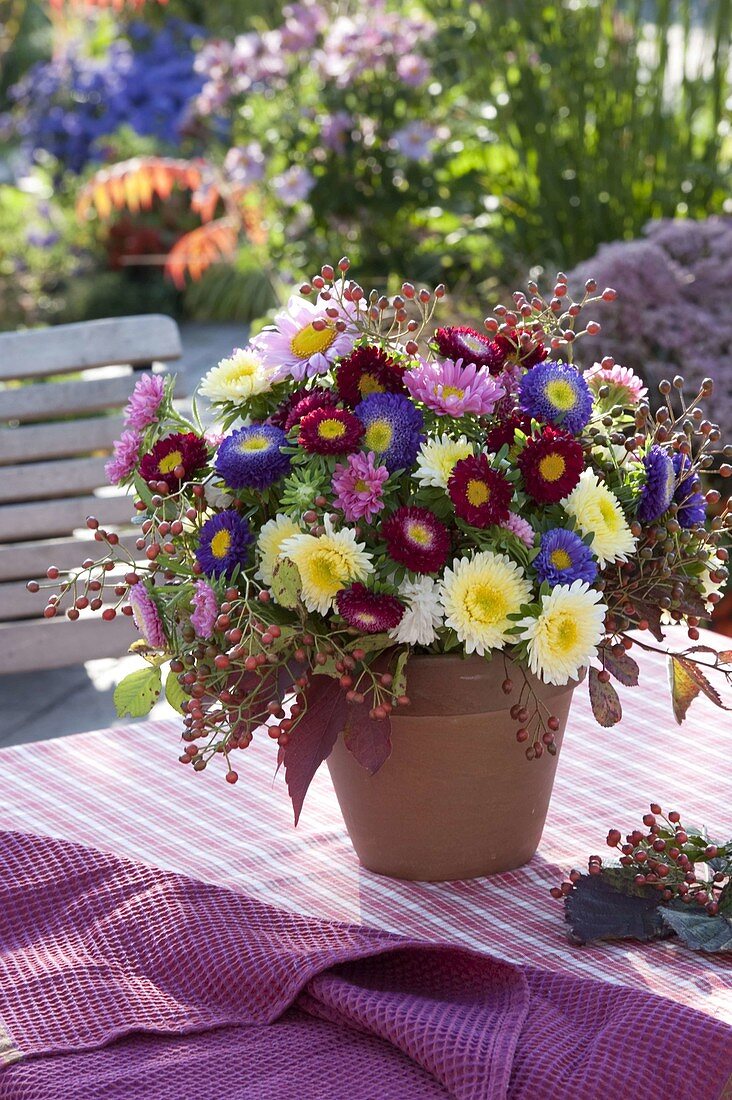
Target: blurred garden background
{"type": "Point", "coordinates": [194, 158]}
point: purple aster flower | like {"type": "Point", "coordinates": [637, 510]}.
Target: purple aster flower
{"type": "Point", "coordinates": [125, 458]}
{"type": "Point", "coordinates": [564, 558]}
{"type": "Point", "coordinates": [146, 616]}
{"type": "Point", "coordinates": [687, 494]}
{"type": "Point", "coordinates": [414, 141]}
{"type": "Point", "coordinates": [359, 487]}
{"type": "Point", "coordinates": [223, 543]}
{"type": "Point", "coordinates": [205, 609]}
{"type": "Point", "coordinates": [334, 129]}
{"type": "Point", "coordinates": [252, 457]}
{"type": "Point", "coordinates": [453, 388]}
{"type": "Point", "coordinates": [557, 394]}
{"type": "Point", "coordinates": [393, 429]}
{"type": "Point", "coordinates": [413, 69]}
{"type": "Point", "coordinates": [142, 407]}
{"type": "Point", "coordinates": [245, 164]}
{"type": "Point", "coordinates": [658, 491]}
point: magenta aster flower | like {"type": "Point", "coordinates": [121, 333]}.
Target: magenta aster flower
{"type": "Point", "coordinates": [142, 407]}
{"type": "Point", "coordinates": [330, 432]}
{"type": "Point", "coordinates": [294, 348]}
{"type": "Point", "coordinates": [451, 388]}
{"type": "Point", "coordinates": [367, 611]}
{"type": "Point", "coordinates": [317, 398]}
{"type": "Point", "coordinates": [146, 616]}
{"type": "Point", "coordinates": [205, 609]}
{"type": "Point", "coordinates": [124, 460]}
{"type": "Point", "coordinates": [415, 537]}
{"type": "Point", "coordinates": [359, 487]}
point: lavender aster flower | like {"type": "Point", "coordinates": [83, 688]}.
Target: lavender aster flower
{"type": "Point", "coordinates": [658, 491]}
{"type": "Point", "coordinates": [557, 394]}
{"type": "Point", "coordinates": [687, 494]}
{"type": "Point", "coordinates": [142, 407]}
{"type": "Point", "coordinates": [205, 609]}
{"type": "Point", "coordinates": [563, 558]}
{"type": "Point", "coordinates": [146, 616]}
{"type": "Point", "coordinates": [252, 457]}
{"type": "Point", "coordinates": [414, 141]}
{"type": "Point", "coordinates": [125, 458]}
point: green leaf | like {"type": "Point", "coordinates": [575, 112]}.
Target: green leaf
{"type": "Point", "coordinates": [137, 693]}
{"type": "Point", "coordinates": [698, 930]}
{"type": "Point", "coordinates": [687, 681]}
{"type": "Point", "coordinates": [369, 643]}
{"type": "Point", "coordinates": [596, 910]}
{"type": "Point", "coordinates": [174, 693]}
{"type": "Point", "coordinates": [399, 686]}
{"type": "Point", "coordinates": [605, 701]}
{"type": "Point", "coordinates": [286, 583]}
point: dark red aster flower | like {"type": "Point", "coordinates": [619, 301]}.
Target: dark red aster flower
{"type": "Point", "coordinates": [330, 431]}
{"type": "Point", "coordinates": [505, 431]}
{"type": "Point", "coordinates": [365, 371]}
{"type": "Point", "coordinates": [279, 417]}
{"type": "Point", "coordinates": [367, 611]}
{"type": "Point", "coordinates": [550, 465]}
{"type": "Point", "coordinates": [314, 399]}
{"type": "Point", "coordinates": [508, 347]}
{"type": "Point", "coordinates": [415, 537]}
{"type": "Point", "coordinates": [184, 452]}
{"type": "Point", "coordinates": [481, 495]}
{"type": "Point", "coordinates": [463, 342]}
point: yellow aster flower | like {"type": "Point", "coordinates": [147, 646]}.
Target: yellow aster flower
{"type": "Point", "coordinates": [565, 635]}
{"type": "Point", "coordinates": [437, 457]}
{"type": "Point", "coordinates": [478, 594]}
{"type": "Point", "coordinates": [273, 534]}
{"type": "Point", "coordinates": [598, 513]}
{"type": "Point", "coordinates": [327, 564]}
{"type": "Point", "coordinates": [238, 378]}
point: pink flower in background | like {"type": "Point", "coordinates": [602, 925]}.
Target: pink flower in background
{"type": "Point", "coordinates": [358, 486]}
{"type": "Point", "coordinates": [205, 609]}
{"type": "Point", "coordinates": [334, 128]}
{"type": "Point", "coordinates": [451, 389]}
{"type": "Point", "coordinates": [245, 164]}
{"type": "Point", "coordinates": [413, 69]}
{"type": "Point", "coordinates": [293, 185]}
{"type": "Point", "coordinates": [520, 528]}
{"type": "Point", "coordinates": [146, 616]}
{"type": "Point", "coordinates": [144, 402]}
{"type": "Point", "coordinates": [125, 458]}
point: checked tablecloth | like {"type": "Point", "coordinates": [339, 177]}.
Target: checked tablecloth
{"type": "Point", "coordinates": [124, 791]}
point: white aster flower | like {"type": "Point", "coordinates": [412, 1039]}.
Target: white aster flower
{"type": "Point", "coordinates": [327, 563]}
{"type": "Point", "coordinates": [563, 638]}
{"type": "Point", "coordinates": [423, 614]}
{"type": "Point", "coordinates": [240, 377]}
{"type": "Point", "coordinates": [272, 535]}
{"type": "Point", "coordinates": [598, 513]}
{"type": "Point", "coordinates": [478, 594]}
{"type": "Point", "coordinates": [437, 457]}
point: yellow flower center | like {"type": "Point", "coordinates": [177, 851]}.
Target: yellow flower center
{"type": "Point", "coordinates": [331, 429]}
{"type": "Point", "coordinates": [325, 573]}
{"type": "Point", "coordinates": [609, 515]}
{"type": "Point", "coordinates": [254, 443]}
{"type": "Point", "coordinates": [486, 604]}
{"type": "Point", "coordinates": [560, 558]}
{"type": "Point", "coordinates": [477, 492]}
{"type": "Point", "coordinates": [220, 544]}
{"type": "Point", "coordinates": [565, 632]}
{"type": "Point", "coordinates": [472, 343]}
{"type": "Point", "coordinates": [451, 391]}
{"type": "Point", "coordinates": [552, 467]}
{"type": "Point", "coordinates": [561, 394]}
{"type": "Point", "coordinates": [169, 462]}
{"type": "Point", "coordinates": [419, 533]}
{"type": "Point", "coordinates": [368, 383]}
{"type": "Point", "coordinates": [360, 486]}
{"type": "Point", "coordinates": [309, 341]}
{"type": "Point", "coordinates": [378, 436]}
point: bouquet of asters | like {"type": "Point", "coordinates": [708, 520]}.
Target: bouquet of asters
{"type": "Point", "coordinates": [376, 487]}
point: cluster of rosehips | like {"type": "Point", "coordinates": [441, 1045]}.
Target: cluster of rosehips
{"type": "Point", "coordinates": [533, 318]}
{"type": "Point", "coordinates": [664, 857]}
{"type": "Point", "coordinates": [533, 723]}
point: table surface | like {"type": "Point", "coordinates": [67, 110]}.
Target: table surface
{"type": "Point", "coordinates": [123, 790]}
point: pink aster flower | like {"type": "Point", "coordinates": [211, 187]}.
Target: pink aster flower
{"type": "Point", "coordinates": [520, 528]}
{"type": "Point", "coordinates": [358, 486]}
{"type": "Point", "coordinates": [125, 459]}
{"type": "Point", "coordinates": [144, 402]}
{"type": "Point", "coordinates": [451, 388]}
{"type": "Point", "coordinates": [146, 616]}
{"type": "Point", "coordinates": [205, 609]}
{"type": "Point", "coordinates": [625, 387]}
{"type": "Point", "coordinates": [293, 348]}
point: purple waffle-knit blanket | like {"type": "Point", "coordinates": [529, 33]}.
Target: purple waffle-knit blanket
{"type": "Point", "coordinates": [118, 980]}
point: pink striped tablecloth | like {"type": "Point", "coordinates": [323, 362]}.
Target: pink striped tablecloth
{"type": "Point", "coordinates": [123, 790]}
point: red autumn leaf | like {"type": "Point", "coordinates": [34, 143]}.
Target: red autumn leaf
{"type": "Point", "coordinates": [368, 739]}
{"type": "Point", "coordinates": [313, 737]}
{"type": "Point", "coordinates": [605, 701]}
{"type": "Point", "coordinates": [623, 668]}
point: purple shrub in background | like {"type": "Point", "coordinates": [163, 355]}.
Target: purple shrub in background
{"type": "Point", "coordinates": [672, 314]}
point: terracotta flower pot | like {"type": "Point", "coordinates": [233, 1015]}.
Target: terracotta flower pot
{"type": "Point", "coordinates": [457, 798]}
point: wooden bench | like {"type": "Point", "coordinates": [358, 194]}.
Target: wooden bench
{"type": "Point", "coordinates": [62, 391]}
